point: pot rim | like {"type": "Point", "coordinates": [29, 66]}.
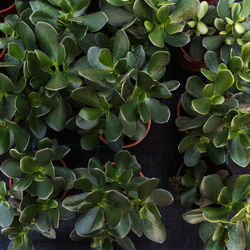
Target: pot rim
{"type": "Point", "coordinates": [8, 8]}
{"type": "Point", "coordinates": [133, 143]}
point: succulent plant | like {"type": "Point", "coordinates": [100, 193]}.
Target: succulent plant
{"type": "Point", "coordinates": [216, 120]}
{"type": "Point", "coordinates": [64, 16]}
{"type": "Point", "coordinates": [120, 96]}
{"type": "Point", "coordinates": [115, 200]}
{"type": "Point", "coordinates": [239, 66]}
{"type": "Point", "coordinates": [35, 185]}
{"type": "Point", "coordinates": [163, 21]}
{"type": "Point", "coordinates": [232, 26]}
{"type": "Point", "coordinates": [226, 220]}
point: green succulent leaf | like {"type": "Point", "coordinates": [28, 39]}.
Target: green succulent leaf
{"type": "Point", "coordinates": [241, 188]}
{"type": "Point", "coordinates": [48, 39]}
{"type": "Point", "coordinates": [129, 110]}
{"type": "Point", "coordinates": [238, 153]}
{"type": "Point", "coordinates": [152, 225]}
{"type": "Point", "coordinates": [185, 10]}
{"type": "Point", "coordinates": [90, 140]}
{"type": "Point", "coordinates": [6, 84]}
{"type": "Point", "coordinates": [11, 168]}
{"type": "Point", "coordinates": [114, 216]}
{"type": "Point", "coordinates": [223, 81]}
{"type": "Point", "coordinates": [211, 186]}
{"type": "Point", "coordinates": [223, 9]}
{"type": "Point", "coordinates": [29, 213]}
{"type": "Point", "coordinates": [89, 221]}
{"type": "Point", "coordinates": [121, 45]}
{"type": "Point", "coordinates": [15, 51]}
{"type": "Point", "coordinates": [157, 37]}
{"type": "Point", "coordinates": [160, 197]}
{"type": "Point", "coordinates": [201, 105]}
{"type": "Point", "coordinates": [21, 136]}
{"type": "Point", "coordinates": [95, 75]}
{"type": "Point", "coordinates": [94, 21]}
{"type": "Point", "coordinates": [27, 36]}
{"type": "Point", "coordinates": [214, 215]}
{"type": "Point", "coordinates": [113, 128]}
{"type": "Point", "coordinates": [157, 62]}
{"type": "Point", "coordinates": [86, 95]}
{"type": "Point", "coordinates": [158, 112]}
{"type": "Point", "coordinates": [194, 216]}
{"type": "Point", "coordinates": [147, 187]}
{"type": "Point", "coordinates": [24, 182]}
{"type": "Point", "coordinates": [7, 215]}
{"type": "Point", "coordinates": [44, 189]}
{"type": "Point", "coordinates": [188, 142]}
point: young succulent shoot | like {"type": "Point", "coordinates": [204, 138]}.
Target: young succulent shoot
{"type": "Point", "coordinates": [164, 22]}
{"type": "Point", "coordinates": [226, 223]}
{"type": "Point", "coordinates": [232, 28]}
{"type": "Point", "coordinates": [123, 83]}
{"type": "Point", "coordinates": [115, 200]}
{"type": "Point", "coordinates": [197, 26]}
{"type": "Point", "coordinates": [201, 26]}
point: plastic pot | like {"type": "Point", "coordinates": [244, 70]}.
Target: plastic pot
{"type": "Point", "coordinates": [64, 193]}
{"type": "Point", "coordinates": [188, 62]}
{"type": "Point", "coordinates": [133, 143]}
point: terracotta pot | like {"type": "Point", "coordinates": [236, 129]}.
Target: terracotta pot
{"type": "Point", "coordinates": [188, 62]}
{"type": "Point", "coordinates": [140, 173]}
{"type": "Point", "coordinates": [64, 193]}
{"type": "Point", "coordinates": [134, 143]}
{"type": "Point", "coordinates": [178, 112]}
{"type": "Point", "coordinates": [9, 10]}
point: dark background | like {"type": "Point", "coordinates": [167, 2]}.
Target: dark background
{"type": "Point", "coordinates": [159, 157]}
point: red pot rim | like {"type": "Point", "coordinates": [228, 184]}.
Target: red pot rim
{"type": "Point", "coordinates": [140, 173]}
{"type": "Point", "coordinates": [4, 50]}
{"type": "Point", "coordinates": [8, 8]}
{"type": "Point", "coordinates": [64, 193]}
{"type": "Point", "coordinates": [190, 57]}
{"type": "Point", "coordinates": [131, 144]}
{"type": "Point", "coordinates": [188, 62]}
{"type": "Point", "coordinates": [178, 112]}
